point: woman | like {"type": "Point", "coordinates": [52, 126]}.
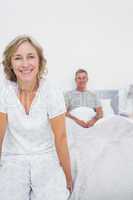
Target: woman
{"type": "Point", "coordinates": [31, 110]}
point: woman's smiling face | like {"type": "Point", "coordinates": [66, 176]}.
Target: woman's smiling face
{"type": "Point", "coordinates": [25, 62]}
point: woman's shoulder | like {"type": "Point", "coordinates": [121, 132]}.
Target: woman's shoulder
{"type": "Point", "coordinates": [6, 90]}
{"type": "Point", "coordinates": [46, 84]}
{"type": "Point", "coordinates": [49, 87]}
{"type": "Point", "coordinates": [5, 85]}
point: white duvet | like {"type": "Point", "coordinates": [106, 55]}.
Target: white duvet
{"type": "Point", "coordinates": [102, 159]}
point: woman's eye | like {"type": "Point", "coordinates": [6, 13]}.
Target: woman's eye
{"type": "Point", "coordinates": [17, 58]}
{"type": "Point", "coordinates": [31, 56]}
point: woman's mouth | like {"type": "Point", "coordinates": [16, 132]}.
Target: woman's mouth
{"type": "Point", "coordinates": [26, 71]}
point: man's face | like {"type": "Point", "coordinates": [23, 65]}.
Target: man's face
{"type": "Point", "coordinates": [81, 80]}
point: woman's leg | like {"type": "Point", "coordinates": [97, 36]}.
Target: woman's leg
{"type": "Point", "coordinates": [48, 179]}
{"type": "Point", "coordinates": [14, 179]}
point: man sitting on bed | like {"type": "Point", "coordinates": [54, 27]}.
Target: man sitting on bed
{"type": "Point", "coordinates": [82, 97]}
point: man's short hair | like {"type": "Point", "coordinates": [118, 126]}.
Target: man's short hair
{"type": "Point", "coordinates": [81, 71]}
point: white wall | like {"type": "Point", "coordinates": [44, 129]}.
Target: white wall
{"type": "Point", "coordinates": [94, 34]}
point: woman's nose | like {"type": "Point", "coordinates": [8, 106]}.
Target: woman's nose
{"type": "Point", "coordinates": [25, 62]}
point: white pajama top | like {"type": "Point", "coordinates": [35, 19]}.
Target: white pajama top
{"type": "Point", "coordinates": [32, 133]}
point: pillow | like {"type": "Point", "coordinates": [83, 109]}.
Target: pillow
{"type": "Point", "coordinates": [83, 113]}
{"type": "Point", "coordinates": [107, 108]}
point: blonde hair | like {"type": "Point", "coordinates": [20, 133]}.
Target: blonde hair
{"type": "Point", "coordinates": [11, 49]}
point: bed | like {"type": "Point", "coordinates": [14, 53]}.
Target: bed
{"type": "Point", "coordinates": [112, 96]}
{"type": "Point", "coordinates": [101, 156]}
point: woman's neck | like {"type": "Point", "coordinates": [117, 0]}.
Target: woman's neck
{"type": "Point", "coordinates": [28, 86]}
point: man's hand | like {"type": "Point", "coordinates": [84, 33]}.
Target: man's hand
{"type": "Point", "coordinates": [91, 122]}
{"type": "Point", "coordinates": [78, 121]}
{"type": "Point", "coordinates": [99, 115]}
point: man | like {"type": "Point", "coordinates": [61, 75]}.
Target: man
{"type": "Point", "coordinates": [82, 97]}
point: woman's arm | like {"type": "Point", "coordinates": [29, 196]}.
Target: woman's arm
{"type": "Point", "coordinates": [3, 124]}
{"type": "Point", "coordinates": [58, 127]}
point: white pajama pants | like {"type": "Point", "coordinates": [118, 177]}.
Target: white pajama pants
{"type": "Point", "coordinates": [34, 177]}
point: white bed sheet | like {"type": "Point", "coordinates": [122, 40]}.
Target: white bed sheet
{"type": "Point", "coordinates": [102, 160]}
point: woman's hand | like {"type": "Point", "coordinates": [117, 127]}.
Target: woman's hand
{"type": "Point", "coordinates": [70, 186]}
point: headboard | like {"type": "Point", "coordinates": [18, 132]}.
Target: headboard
{"type": "Point", "coordinates": [110, 94]}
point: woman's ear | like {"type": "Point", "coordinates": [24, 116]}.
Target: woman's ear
{"type": "Point", "coordinates": [11, 67]}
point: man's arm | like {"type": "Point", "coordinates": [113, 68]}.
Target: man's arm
{"type": "Point", "coordinates": [99, 115]}
{"type": "Point", "coordinates": [78, 121]}
{"type": "Point", "coordinates": [68, 114]}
